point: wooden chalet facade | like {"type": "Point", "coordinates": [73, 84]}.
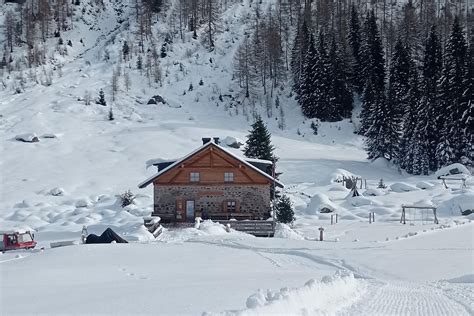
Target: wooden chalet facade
{"type": "Point", "coordinates": [212, 183]}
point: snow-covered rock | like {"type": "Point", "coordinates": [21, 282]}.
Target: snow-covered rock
{"type": "Point", "coordinates": [233, 142]}
{"type": "Point", "coordinates": [156, 99]}
{"type": "Point", "coordinates": [27, 138]}
{"type": "Point", "coordinates": [57, 191]}
{"type": "Point", "coordinates": [453, 169]}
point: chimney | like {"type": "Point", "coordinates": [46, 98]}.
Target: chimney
{"type": "Point", "coordinates": [216, 140]}
{"type": "Point", "coordinates": [206, 140]}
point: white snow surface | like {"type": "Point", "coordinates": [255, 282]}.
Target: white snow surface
{"type": "Point", "coordinates": [57, 185]}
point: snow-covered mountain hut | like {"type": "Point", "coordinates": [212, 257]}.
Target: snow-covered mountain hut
{"type": "Point", "coordinates": [212, 183]}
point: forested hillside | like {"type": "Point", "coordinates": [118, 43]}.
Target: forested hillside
{"type": "Point", "coordinates": [401, 71]}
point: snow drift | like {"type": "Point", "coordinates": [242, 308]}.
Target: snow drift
{"type": "Point", "coordinates": [329, 295]}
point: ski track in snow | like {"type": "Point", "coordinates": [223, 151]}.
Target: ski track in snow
{"type": "Point", "coordinates": [404, 298]}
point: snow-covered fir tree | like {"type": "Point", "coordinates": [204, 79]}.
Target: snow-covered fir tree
{"type": "Point", "coordinates": [373, 97]}
{"type": "Point", "coordinates": [410, 120]}
{"type": "Point", "coordinates": [306, 91]}
{"type": "Point", "coordinates": [258, 144]}
{"type": "Point", "coordinates": [397, 98]}
{"type": "Point", "coordinates": [430, 114]}
{"type": "Point", "coordinates": [340, 96]}
{"type": "Point", "coordinates": [298, 54]}
{"type": "Point", "coordinates": [355, 44]}
{"type": "Point", "coordinates": [453, 86]}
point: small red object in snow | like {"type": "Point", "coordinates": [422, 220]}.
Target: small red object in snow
{"type": "Point", "coordinates": [17, 240]}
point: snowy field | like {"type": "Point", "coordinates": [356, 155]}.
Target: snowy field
{"type": "Point", "coordinates": [74, 174]}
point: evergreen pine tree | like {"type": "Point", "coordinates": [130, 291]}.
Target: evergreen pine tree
{"type": "Point", "coordinates": [444, 150]}
{"type": "Point", "coordinates": [410, 121]}
{"type": "Point", "coordinates": [397, 98]}
{"type": "Point", "coordinates": [125, 50]}
{"type": "Point", "coordinates": [467, 121]}
{"type": "Point", "coordinates": [321, 81]}
{"type": "Point", "coordinates": [258, 144]}
{"type": "Point", "coordinates": [428, 108]}
{"type": "Point", "coordinates": [139, 62]}
{"type": "Point", "coordinates": [163, 53]}
{"type": "Point", "coordinates": [373, 97]}
{"type": "Point", "coordinates": [101, 100]}
{"type": "Point", "coordinates": [340, 95]}
{"type": "Point", "coordinates": [306, 89]}
{"type": "Point", "coordinates": [454, 84]}
{"type": "Point", "coordinates": [376, 115]}
{"type": "Point", "coordinates": [355, 43]}
{"type": "Point", "coordinates": [284, 210]}
{"type": "Point", "coordinates": [298, 53]}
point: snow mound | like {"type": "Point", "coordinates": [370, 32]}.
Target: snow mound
{"type": "Point", "coordinates": [328, 296]}
{"type": "Point", "coordinates": [359, 201]}
{"type": "Point", "coordinates": [456, 205]}
{"type": "Point", "coordinates": [138, 233]}
{"type": "Point", "coordinates": [211, 228]}
{"type": "Point", "coordinates": [320, 203]}
{"type": "Point", "coordinates": [373, 192]}
{"type": "Point", "coordinates": [424, 185]}
{"type": "Point", "coordinates": [401, 187]}
{"type": "Point", "coordinates": [83, 202]}
{"type": "Point", "coordinates": [453, 169]}
{"type": "Point", "coordinates": [423, 203]}
{"type": "Point", "coordinates": [284, 231]}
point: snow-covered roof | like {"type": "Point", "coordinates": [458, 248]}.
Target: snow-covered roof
{"type": "Point", "coordinates": [210, 143]}
{"type": "Point", "coordinates": [267, 162]}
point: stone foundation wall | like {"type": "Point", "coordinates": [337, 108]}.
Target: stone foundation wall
{"type": "Point", "coordinates": [251, 198]}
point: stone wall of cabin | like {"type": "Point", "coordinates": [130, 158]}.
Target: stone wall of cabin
{"type": "Point", "coordinates": [253, 199]}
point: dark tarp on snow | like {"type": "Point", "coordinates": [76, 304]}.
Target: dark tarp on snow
{"type": "Point", "coordinates": [106, 238]}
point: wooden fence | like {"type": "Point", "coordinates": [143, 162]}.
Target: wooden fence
{"type": "Point", "coordinates": [258, 228]}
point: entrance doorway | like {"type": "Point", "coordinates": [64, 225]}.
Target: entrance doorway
{"type": "Point", "coordinates": [190, 211]}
